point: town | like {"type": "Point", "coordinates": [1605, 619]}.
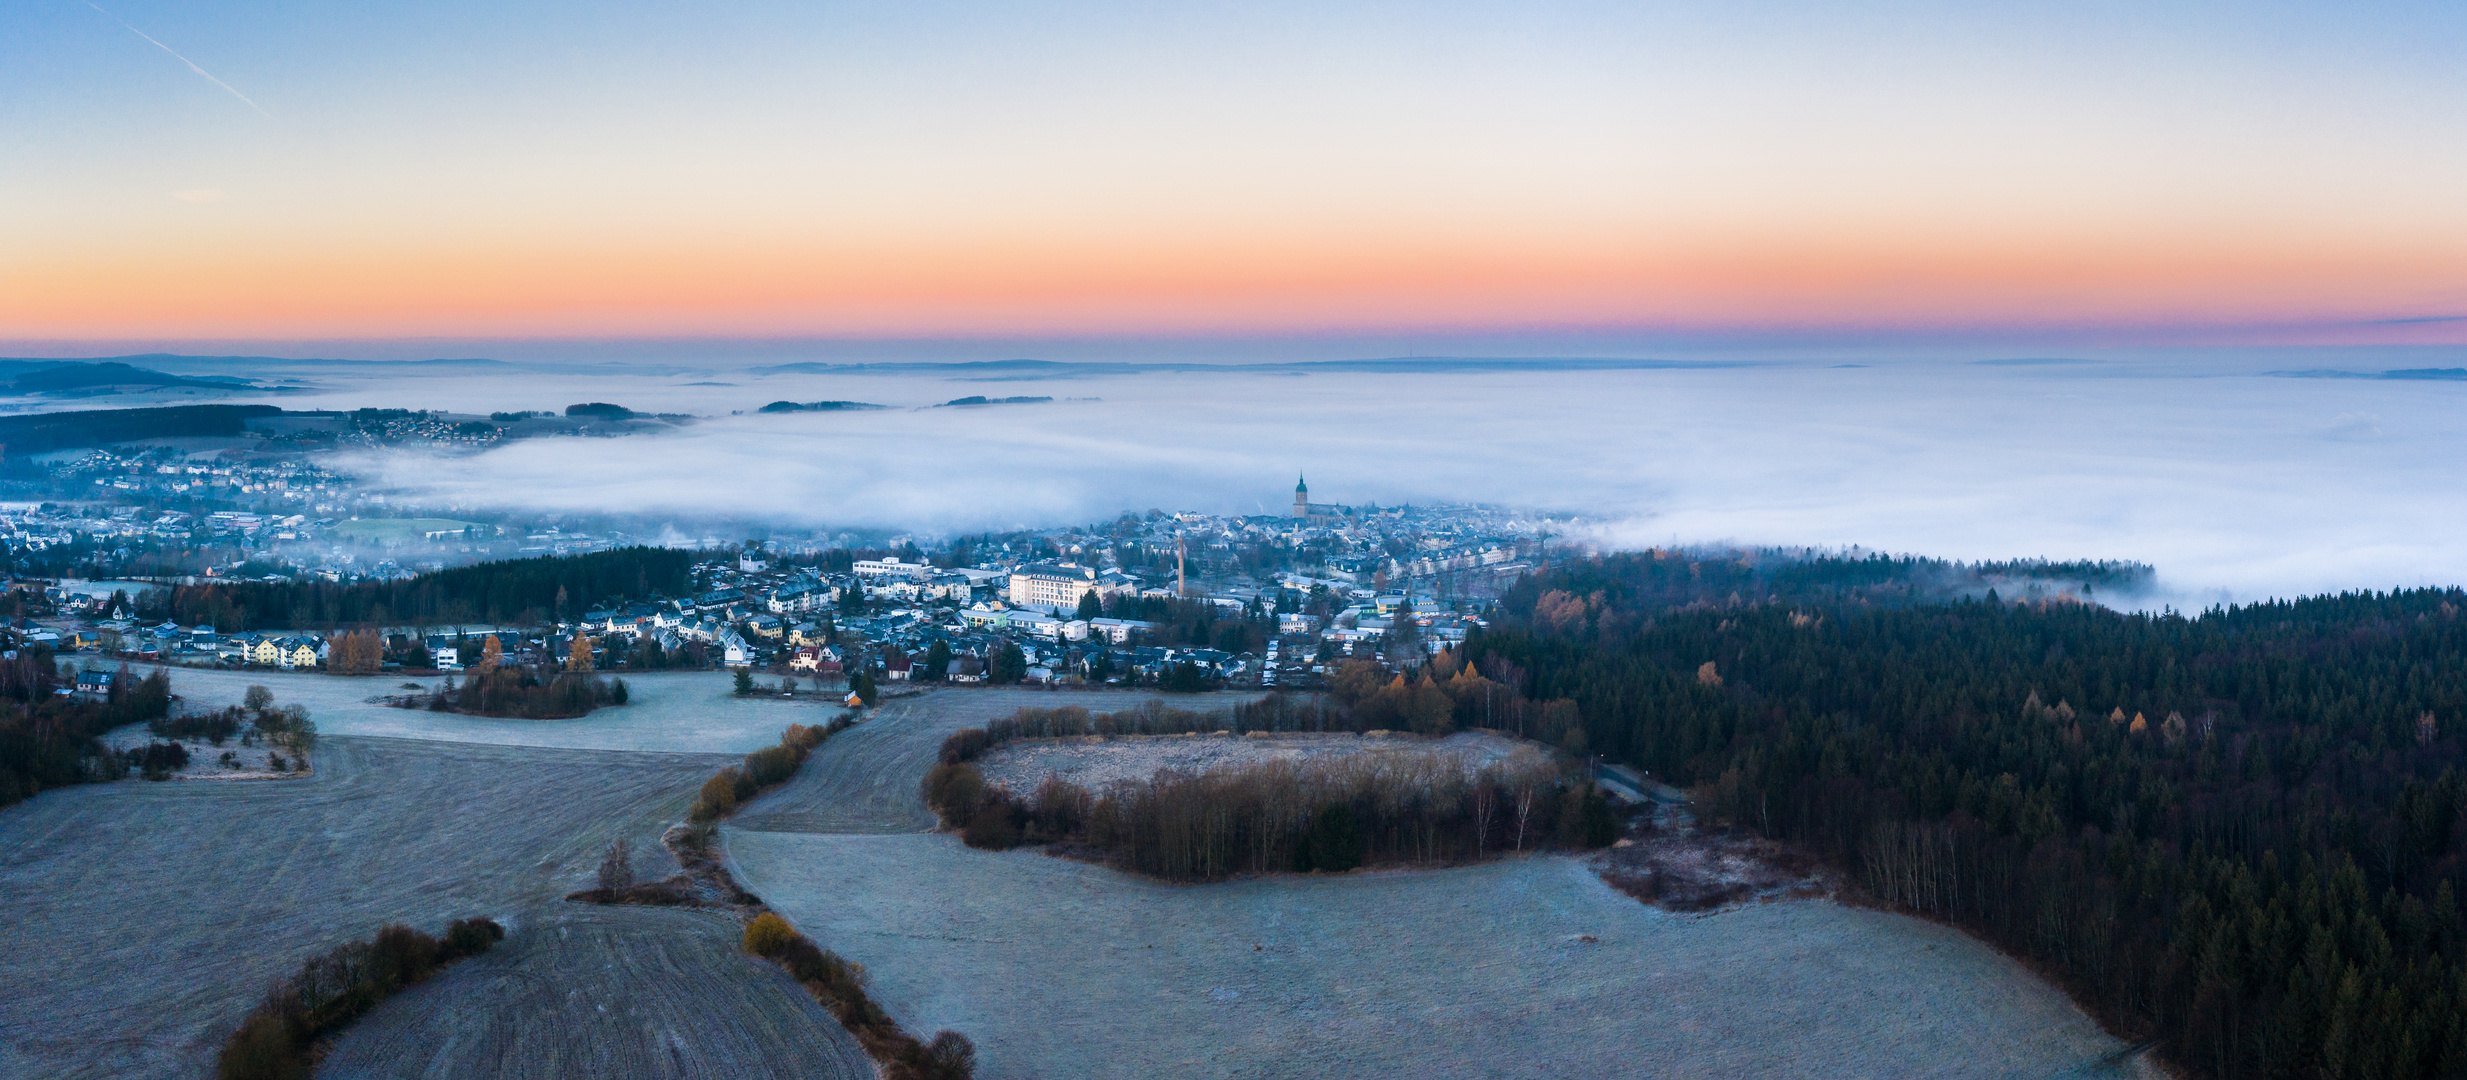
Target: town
{"type": "Point", "coordinates": [1179, 601]}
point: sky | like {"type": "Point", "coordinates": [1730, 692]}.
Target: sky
{"type": "Point", "coordinates": [387, 172]}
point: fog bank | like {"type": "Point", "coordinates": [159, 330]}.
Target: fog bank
{"type": "Point", "coordinates": [2234, 482]}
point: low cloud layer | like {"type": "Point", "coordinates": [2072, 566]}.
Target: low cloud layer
{"type": "Point", "coordinates": [2235, 485]}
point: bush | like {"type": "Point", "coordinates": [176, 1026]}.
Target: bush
{"type": "Point", "coordinates": [952, 791]}
{"type": "Point", "coordinates": [770, 765]}
{"type": "Point", "coordinates": [263, 1049]}
{"type": "Point", "coordinates": [949, 1057]}
{"type": "Point", "coordinates": [470, 937]}
{"type": "Point", "coordinates": [769, 935]}
{"type": "Point", "coordinates": [965, 745]}
{"type": "Point", "coordinates": [994, 824]}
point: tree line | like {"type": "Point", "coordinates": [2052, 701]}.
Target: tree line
{"type": "Point", "coordinates": [329, 991]}
{"type": "Point", "coordinates": [2237, 833]}
{"type": "Point", "coordinates": [49, 740]}
{"type": "Point", "coordinates": [515, 591]}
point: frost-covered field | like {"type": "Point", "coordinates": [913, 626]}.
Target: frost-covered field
{"type": "Point", "coordinates": [633, 993]}
{"type": "Point", "coordinates": [865, 779]}
{"type": "Point", "coordinates": [679, 711]}
{"type": "Point", "coordinates": [143, 919]}
{"type": "Point", "coordinates": [1058, 968]}
{"type": "Point", "coordinates": [1093, 762]}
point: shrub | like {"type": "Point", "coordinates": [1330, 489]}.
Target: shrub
{"type": "Point", "coordinates": [769, 935]}
{"type": "Point", "coordinates": [994, 824]}
{"type": "Point", "coordinates": [470, 937]}
{"type": "Point", "coordinates": [965, 745]}
{"type": "Point", "coordinates": [770, 765]}
{"type": "Point", "coordinates": [263, 1049]}
{"type": "Point", "coordinates": [402, 956]}
{"type": "Point", "coordinates": [952, 791]}
{"type": "Point", "coordinates": [949, 1057]}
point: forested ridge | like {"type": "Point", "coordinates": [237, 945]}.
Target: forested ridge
{"type": "Point", "coordinates": [511, 591]}
{"type": "Point", "coordinates": [2235, 833]}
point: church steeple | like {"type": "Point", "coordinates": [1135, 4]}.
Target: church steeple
{"type": "Point", "coordinates": [1301, 497]}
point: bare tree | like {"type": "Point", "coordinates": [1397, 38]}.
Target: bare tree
{"type": "Point", "coordinates": [1485, 806]}
{"type": "Point", "coordinates": [617, 867]}
{"type": "Point", "coordinates": [1524, 811]}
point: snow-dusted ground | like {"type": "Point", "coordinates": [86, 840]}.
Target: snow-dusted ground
{"type": "Point", "coordinates": [676, 712]}
{"type": "Point", "coordinates": [1524, 967]}
{"type": "Point", "coordinates": [1521, 967]}
{"type": "Point", "coordinates": [1093, 762]}
{"type": "Point", "coordinates": [205, 760]}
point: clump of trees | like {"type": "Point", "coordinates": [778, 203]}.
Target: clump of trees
{"type": "Point", "coordinates": [2237, 833]}
{"type": "Point", "coordinates": [50, 740]}
{"type": "Point", "coordinates": [1327, 814]}
{"type": "Point", "coordinates": [840, 986]}
{"type": "Point", "coordinates": [1330, 814]}
{"type": "Point", "coordinates": [525, 693]}
{"type": "Point", "coordinates": [332, 990]}
{"type": "Point", "coordinates": [770, 766]}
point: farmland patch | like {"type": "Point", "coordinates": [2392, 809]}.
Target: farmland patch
{"type": "Point", "coordinates": [1093, 762]}
{"type": "Point", "coordinates": [1527, 966]}
{"type": "Point", "coordinates": [145, 919]}
{"type": "Point", "coordinates": [670, 712]}
{"type": "Point", "coordinates": [604, 992]}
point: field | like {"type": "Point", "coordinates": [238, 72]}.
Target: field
{"type": "Point", "coordinates": [674, 712]}
{"type": "Point", "coordinates": [145, 919]}
{"type": "Point", "coordinates": [1524, 967]}
{"type": "Point", "coordinates": [865, 779]}
{"type": "Point", "coordinates": [604, 992]}
{"type": "Point", "coordinates": [1093, 763]}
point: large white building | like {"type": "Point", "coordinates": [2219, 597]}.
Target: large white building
{"type": "Point", "coordinates": [1051, 585]}
{"type": "Point", "coordinates": [891, 567]}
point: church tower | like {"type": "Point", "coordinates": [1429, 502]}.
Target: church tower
{"type": "Point", "coordinates": [1301, 498]}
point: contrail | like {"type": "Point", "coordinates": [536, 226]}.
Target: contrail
{"type": "Point", "coordinates": [192, 65]}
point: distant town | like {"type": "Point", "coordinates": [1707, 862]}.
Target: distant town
{"type": "Point", "coordinates": [1180, 600]}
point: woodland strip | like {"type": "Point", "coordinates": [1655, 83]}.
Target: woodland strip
{"type": "Point", "coordinates": [280, 1039]}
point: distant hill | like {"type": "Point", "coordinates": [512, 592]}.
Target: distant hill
{"type": "Point", "coordinates": [81, 376]}
{"type": "Point", "coordinates": [818, 406]}
{"type": "Point", "coordinates": [44, 432]}
{"type": "Point", "coordinates": [981, 400]}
